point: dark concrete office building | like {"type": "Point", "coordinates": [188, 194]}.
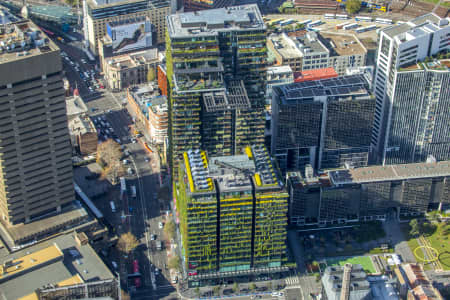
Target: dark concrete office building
{"type": "Point", "coordinates": [325, 123]}
{"type": "Point", "coordinates": [35, 149]}
{"type": "Point", "coordinates": [369, 193]}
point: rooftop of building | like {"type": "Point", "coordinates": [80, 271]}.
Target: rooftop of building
{"type": "Point", "coordinates": [6, 17]}
{"type": "Point", "coordinates": [58, 261]}
{"type": "Point", "coordinates": [285, 46]}
{"type": "Point", "coordinates": [54, 12]}
{"type": "Point", "coordinates": [136, 19]}
{"type": "Point", "coordinates": [81, 125]}
{"type": "Point", "coordinates": [12, 235]}
{"type": "Point", "coordinates": [148, 98]}
{"type": "Point", "coordinates": [383, 288]}
{"type": "Point", "coordinates": [308, 179]}
{"type": "Point", "coordinates": [75, 106]}
{"type": "Point", "coordinates": [210, 22]}
{"type": "Point", "coordinates": [417, 278]}
{"type": "Point", "coordinates": [390, 172]}
{"type": "Point", "coordinates": [311, 43]}
{"type": "Point", "coordinates": [21, 40]}
{"type": "Point", "coordinates": [134, 59]}
{"type": "Point", "coordinates": [342, 86]}
{"type": "Point", "coordinates": [420, 26]}
{"type": "Point", "coordinates": [332, 280]}
{"type": "Point", "coordinates": [232, 173]}
{"type": "Point", "coordinates": [343, 44]}
{"type": "Point", "coordinates": [235, 97]}
{"type": "Point", "coordinates": [111, 3]}
{"type": "Point", "coordinates": [276, 70]}
{"type": "Point", "coordinates": [315, 74]}
{"type": "Point", "coordinates": [432, 65]}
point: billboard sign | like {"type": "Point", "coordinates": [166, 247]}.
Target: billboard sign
{"type": "Point", "coordinates": [130, 36]}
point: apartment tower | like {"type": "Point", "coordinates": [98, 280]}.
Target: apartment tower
{"type": "Point", "coordinates": [232, 215]}
{"type": "Point", "coordinates": [216, 68]}
{"type": "Point", "coordinates": [35, 150]}
{"type": "Point", "coordinates": [412, 96]}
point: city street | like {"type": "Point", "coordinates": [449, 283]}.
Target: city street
{"type": "Point", "coordinates": [140, 215]}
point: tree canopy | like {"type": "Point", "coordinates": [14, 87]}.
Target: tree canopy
{"type": "Point", "coordinates": [127, 242]}
{"type": "Point", "coordinates": [169, 229]}
{"type": "Point", "coordinates": [353, 6]}
{"type": "Point", "coordinates": [109, 154]}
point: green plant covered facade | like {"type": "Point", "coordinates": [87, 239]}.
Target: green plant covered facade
{"type": "Point", "coordinates": [231, 228]}
{"type": "Point", "coordinates": [208, 60]}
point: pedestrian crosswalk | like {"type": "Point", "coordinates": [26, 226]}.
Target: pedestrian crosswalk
{"type": "Point", "coordinates": [292, 280]}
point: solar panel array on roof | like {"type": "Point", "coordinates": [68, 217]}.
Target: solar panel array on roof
{"type": "Point", "coordinates": [342, 85]}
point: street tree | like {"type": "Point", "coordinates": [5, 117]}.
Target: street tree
{"type": "Point", "coordinates": [353, 6]}
{"type": "Point", "coordinates": [174, 262]}
{"type": "Point", "coordinates": [414, 227]}
{"type": "Point", "coordinates": [169, 229]}
{"type": "Point", "coordinates": [151, 74]}
{"type": "Point", "coordinates": [235, 287]}
{"type": "Point", "coordinates": [127, 242]}
{"type": "Point", "coordinates": [109, 154]}
{"type": "Point", "coordinates": [197, 291]}
{"type": "Point", "coordinates": [252, 286]}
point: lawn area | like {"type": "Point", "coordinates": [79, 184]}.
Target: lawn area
{"type": "Point", "coordinates": [440, 241]}
{"type": "Point", "coordinates": [364, 261]}
{"type": "Point", "coordinates": [443, 3]}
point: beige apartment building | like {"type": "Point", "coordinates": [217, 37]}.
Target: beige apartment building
{"type": "Point", "coordinates": [317, 51]}
{"type": "Point", "coordinates": [151, 109]}
{"type": "Point", "coordinates": [35, 151]}
{"type": "Point", "coordinates": [98, 13]}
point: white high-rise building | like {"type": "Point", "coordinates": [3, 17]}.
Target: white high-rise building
{"type": "Point", "coordinates": [412, 91]}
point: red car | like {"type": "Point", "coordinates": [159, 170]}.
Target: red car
{"type": "Point", "coordinates": [135, 266]}
{"type": "Point", "coordinates": [192, 273]}
{"type": "Point", "coordinates": [137, 282]}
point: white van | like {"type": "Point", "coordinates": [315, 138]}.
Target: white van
{"type": "Point", "coordinates": [114, 265]}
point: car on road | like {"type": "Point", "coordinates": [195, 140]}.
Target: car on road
{"type": "Point", "coordinates": [161, 225]}
{"type": "Point", "coordinates": [152, 237]}
{"type": "Point", "coordinates": [147, 159]}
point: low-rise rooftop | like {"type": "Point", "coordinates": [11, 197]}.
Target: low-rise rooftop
{"type": "Point", "coordinates": [285, 46]}
{"type": "Point", "coordinates": [390, 172]}
{"type": "Point", "coordinates": [343, 44]}
{"type": "Point", "coordinates": [81, 125]}
{"type": "Point", "coordinates": [315, 74]}
{"type": "Point", "coordinates": [75, 107]}
{"type": "Point", "coordinates": [210, 22]}
{"type": "Point", "coordinates": [131, 60]}
{"type": "Point", "coordinates": [59, 261]}
{"type": "Point", "coordinates": [21, 40]}
{"type": "Point", "coordinates": [149, 98]}
{"type": "Point", "coordinates": [310, 43]}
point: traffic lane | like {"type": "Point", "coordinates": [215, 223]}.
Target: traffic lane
{"type": "Point", "coordinates": [73, 77]}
